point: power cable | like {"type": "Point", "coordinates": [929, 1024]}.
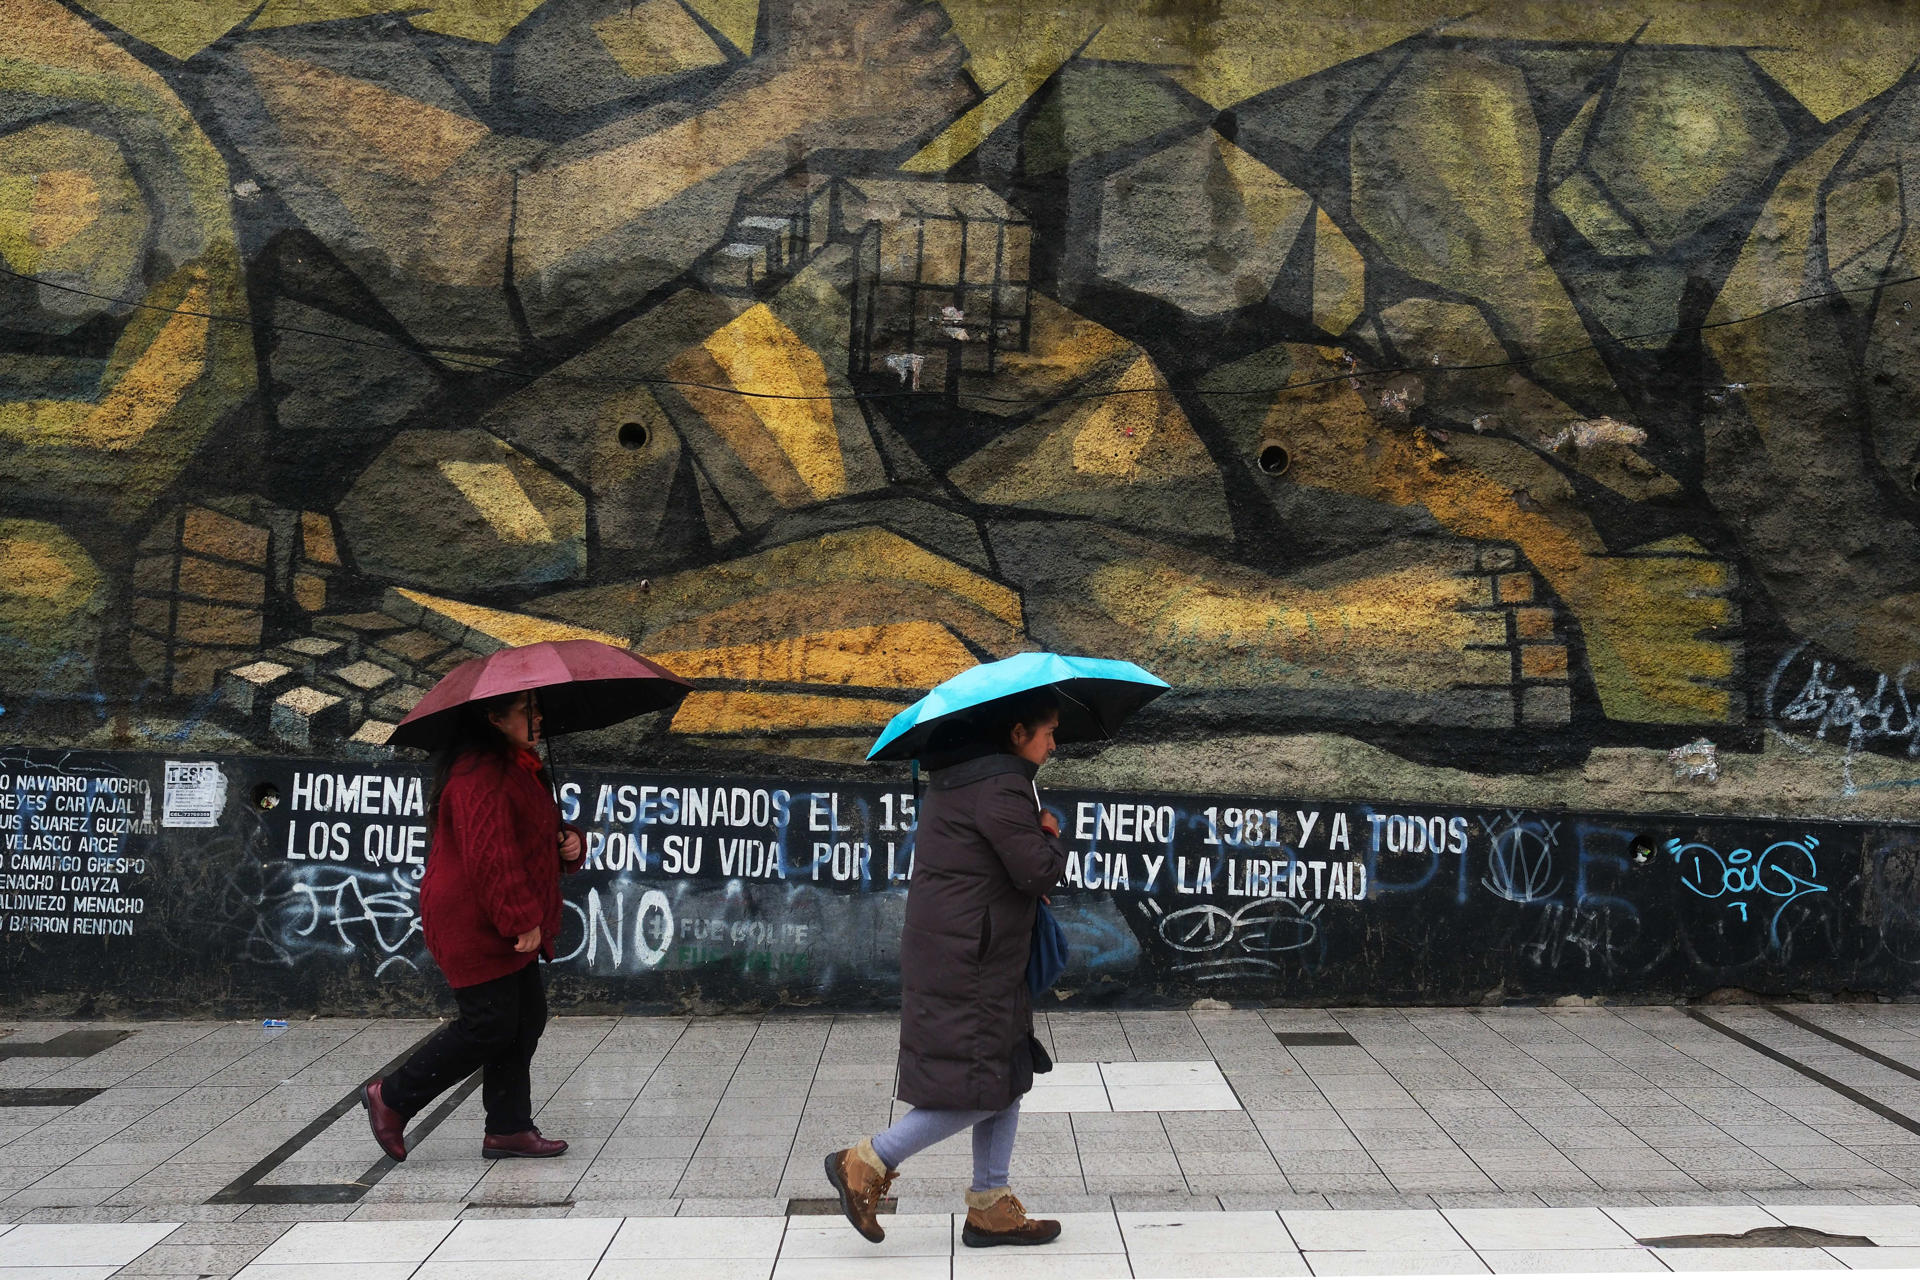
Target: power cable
{"type": "Point", "coordinates": [482, 366]}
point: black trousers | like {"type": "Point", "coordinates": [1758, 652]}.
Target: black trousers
{"type": "Point", "coordinates": [496, 1033]}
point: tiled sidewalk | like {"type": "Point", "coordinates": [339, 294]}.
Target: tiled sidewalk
{"type": "Point", "coordinates": [1092, 1246]}
{"type": "Point", "coordinates": [1446, 1113]}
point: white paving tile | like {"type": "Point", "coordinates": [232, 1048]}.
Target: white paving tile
{"type": "Point", "coordinates": [1397, 1262]}
{"type": "Point", "coordinates": [508, 1268]}
{"type": "Point", "coordinates": [940, 1268]}
{"type": "Point", "coordinates": [1568, 1261]}
{"type": "Point", "coordinates": [1884, 1224]}
{"type": "Point", "coordinates": [1569, 1229]}
{"type": "Point", "coordinates": [106, 1244]}
{"type": "Point", "coordinates": [1054, 1101]}
{"type": "Point", "coordinates": [1038, 1262]}
{"type": "Point", "coordinates": [909, 1235]}
{"type": "Point", "coordinates": [700, 1238]}
{"type": "Point", "coordinates": [1191, 1266]}
{"type": "Point", "coordinates": [1168, 1086]}
{"type": "Point", "coordinates": [56, 1273]}
{"type": "Point", "coordinates": [1878, 1259]}
{"type": "Point", "coordinates": [1071, 1075]}
{"type": "Point", "coordinates": [329, 1271]}
{"type": "Point", "coordinates": [1649, 1222]}
{"type": "Point", "coordinates": [1373, 1230]}
{"type": "Point", "coordinates": [1171, 1074]}
{"type": "Point", "coordinates": [516, 1239]}
{"type": "Point", "coordinates": [1749, 1259]}
{"type": "Point", "coordinates": [685, 1269]}
{"type": "Point", "coordinates": [332, 1243]}
{"type": "Point", "coordinates": [1203, 1232]}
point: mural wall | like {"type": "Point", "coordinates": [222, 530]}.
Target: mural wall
{"type": "Point", "coordinates": [140, 884]}
{"type": "Point", "coordinates": [1517, 392]}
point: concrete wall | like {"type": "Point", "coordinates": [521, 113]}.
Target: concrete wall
{"type": "Point", "coordinates": [1513, 409]}
{"type": "Point", "coordinates": [262, 886]}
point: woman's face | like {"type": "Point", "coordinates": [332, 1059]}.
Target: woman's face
{"type": "Point", "coordinates": [520, 722]}
{"type": "Point", "coordinates": [1035, 742]}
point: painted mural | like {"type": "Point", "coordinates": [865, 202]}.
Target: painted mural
{"type": "Point", "coordinates": [1491, 389]}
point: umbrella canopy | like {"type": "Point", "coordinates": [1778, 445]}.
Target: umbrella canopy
{"type": "Point", "coordinates": [1096, 694]}
{"type": "Point", "coordinates": [583, 684]}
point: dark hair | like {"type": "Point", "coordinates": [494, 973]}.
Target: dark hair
{"type": "Point", "coordinates": [1031, 708]}
{"type": "Point", "coordinates": [473, 732]}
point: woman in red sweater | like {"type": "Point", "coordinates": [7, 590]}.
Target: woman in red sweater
{"type": "Point", "coordinates": [490, 903]}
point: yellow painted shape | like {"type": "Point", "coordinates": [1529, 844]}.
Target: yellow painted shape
{"type": "Point", "coordinates": [1339, 277]}
{"type": "Point", "coordinates": [1228, 51]}
{"type": "Point", "coordinates": [868, 555]}
{"type": "Point", "coordinates": [566, 205]}
{"type": "Point", "coordinates": [1402, 628]}
{"type": "Point", "coordinates": [486, 21]}
{"type": "Point", "coordinates": [38, 562]}
{"type": "Point", "coordinates": [1831, 81]}
{"type": "Point", "coordinates": [1138, 433]}
{"type": "Point", "coordinates": [70, 205]}
{"type": "Point", "coordinates": [761, 355]}
{"type": "Point", "coordinates": [65, 203]}
{"type": "Point", "coordinates": [1275, 207]}
{"type": "Point", "coordinates": [737, 20]}
{"type": "Point", "coordinates": [1011, 50]}
{"type": "Point", "coordinates": [369, 127]}
{"type": "Point", "coordinates": [316, 538]}
{"type": "Point", "coordinates": [904, 655]}
{"type": "Point", "coordinates": [707, 712]}
{"type": "Point", "coordinates": [52, 598]}
{"type": "Point", "coordinates": [17, 191]}
{"type": "Point", "coordinates": [495, 492]}
{"type": "Point", "coordinates": [1639, 615]}
{"type": "Point", "coordinates": [179, 28]}
{"type": "Point", "coordinates": [140, 398]}
{"type": "Point", "coordinates": [656, 37]}
{"type": "Point", "coordinates": [504, 626]}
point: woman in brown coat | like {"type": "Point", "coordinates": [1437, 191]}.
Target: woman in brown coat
{"type": "Point", "coordinates": [984, 855]}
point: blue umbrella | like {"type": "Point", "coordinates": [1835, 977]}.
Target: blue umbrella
{"type": "Point", "coordinates": [1096, 694]}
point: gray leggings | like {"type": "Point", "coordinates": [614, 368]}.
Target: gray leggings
{"type": "Point", "coordinates": [921, 1128]}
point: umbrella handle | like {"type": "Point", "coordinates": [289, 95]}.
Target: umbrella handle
{"type": "Point", "coordinates": [553, 780]}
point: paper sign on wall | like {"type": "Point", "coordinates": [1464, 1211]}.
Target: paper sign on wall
{"type": "Point", "coordinates": [196, 792]}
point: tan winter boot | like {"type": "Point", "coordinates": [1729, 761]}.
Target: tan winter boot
{"type": "Point", "coordinates": [998, 1217]}
{"type": "Point", "coordinates": [862, 1180]}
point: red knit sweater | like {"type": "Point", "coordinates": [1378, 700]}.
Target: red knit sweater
{"type": "Point", "coordinates": [493, 870]}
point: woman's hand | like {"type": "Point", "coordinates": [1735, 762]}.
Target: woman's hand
{"type": "Point", "coordinates": [528, 941]}
{"type": "Point", "coordinates": [570, 846]}
{"type": "Point", "coordinates": [1049, 823]}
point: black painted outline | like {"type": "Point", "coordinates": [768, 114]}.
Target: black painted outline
{"type": "Point", "coordinates": [68, 1044]}
{"type": "Point", "coordinates": [1848, 1092]}
{"type": "Point", "coordinates": [51, 1097]}
{"type": "Point", "coordinates": [1843, 1042]}
{"type": "Point", "coordinates": [245, 1189]}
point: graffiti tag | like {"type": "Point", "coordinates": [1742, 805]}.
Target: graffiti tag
{"type": "Point", "coordinates": [1780, 874]}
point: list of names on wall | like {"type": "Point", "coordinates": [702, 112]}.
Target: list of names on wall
{"type": "Point", "coordinates": [66, 863]}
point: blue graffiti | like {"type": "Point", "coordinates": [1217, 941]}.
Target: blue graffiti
{"type": "Point", "coordinates": [1783, 872]}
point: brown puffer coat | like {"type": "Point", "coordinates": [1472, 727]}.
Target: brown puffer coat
{"type": "Point", "coordinates": [980, 863]}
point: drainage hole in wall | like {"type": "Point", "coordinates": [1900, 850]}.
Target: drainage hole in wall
{"type": "Point", "coordinates": [266, 796]}
{"type": "Point", "coordinates": [634, 435]}
{"type": "Point", "coordinates": [1641, 849]}
{"type": "Point", "coordinates": [1274, 459]}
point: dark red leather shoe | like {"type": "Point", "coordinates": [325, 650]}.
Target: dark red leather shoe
{"type": "Point", "coordinates": [528, 1145]}
{"type": "Point", "coordinates": [389, 1126]}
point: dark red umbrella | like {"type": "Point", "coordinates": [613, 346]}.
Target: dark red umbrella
{"type": "Point", "coordinates": [582, 684]}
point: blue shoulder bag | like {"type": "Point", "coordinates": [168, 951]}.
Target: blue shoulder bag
{"type": "Point", "coordinates": [1047, 956]}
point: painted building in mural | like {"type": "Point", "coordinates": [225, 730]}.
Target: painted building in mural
{"type": "Point", "coordinates": [1511, 408]}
